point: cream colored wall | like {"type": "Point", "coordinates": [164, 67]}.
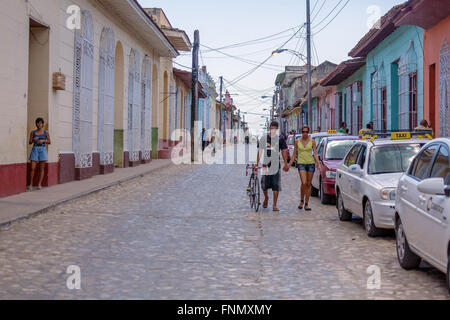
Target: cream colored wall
{"type": "Point", "coordinates": [13, 81]}
{"type": "Point", "coordinates": [165, 66]}
{"type": "Point", "coordinates": [14, 31]}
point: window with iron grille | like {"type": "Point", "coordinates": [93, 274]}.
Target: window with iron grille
{"type": "Point", "coordinates": [444, 88]}
{"type": "Point", "coordinates": [83, 92]}
{"type": "Point", "coordinates": [406, 70]}
{"type": "Point", "coordinates": [412, 100]}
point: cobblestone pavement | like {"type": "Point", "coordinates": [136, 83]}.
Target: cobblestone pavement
{"type": "Point", "coordinates": [187, 232]}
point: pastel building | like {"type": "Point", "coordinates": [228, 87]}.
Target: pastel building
{"type": "Point", "coordinates": [434, 17]}
{"type": "Point", "coordinates": [110, 62]}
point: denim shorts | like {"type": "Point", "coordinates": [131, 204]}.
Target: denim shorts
{"type": "Point", "coordinates": [307, 167]}
{"type": "Point", "coordinates": [38, 154]}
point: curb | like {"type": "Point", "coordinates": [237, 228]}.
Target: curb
{"type": "Point", "coordinates": [81, 195]}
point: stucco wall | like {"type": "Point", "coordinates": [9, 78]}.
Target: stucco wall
{"type": "Point", "coordinates": [433, 40]}
{"type": "Point", "coordinates": [14, 31]}
{"type": "Point", "coordinates": [389, 51]}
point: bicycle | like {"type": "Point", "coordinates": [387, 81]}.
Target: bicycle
{"type": "Point", "coordinates": [254, 188]}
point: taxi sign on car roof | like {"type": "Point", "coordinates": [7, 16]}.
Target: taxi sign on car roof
{"type": "Point", "coordinates": [398, 135]}
{"type": "Point", "coordinates": [332, 131]}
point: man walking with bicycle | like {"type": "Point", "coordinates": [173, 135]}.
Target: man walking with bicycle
{"type": "Point", "coordinates": [271, 145]}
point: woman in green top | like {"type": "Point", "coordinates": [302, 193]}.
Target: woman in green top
{"type": "Point", "coordinates": [305, 152]}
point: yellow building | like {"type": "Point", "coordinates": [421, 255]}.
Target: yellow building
{"type": "Point", "coordinates": [116, 63]}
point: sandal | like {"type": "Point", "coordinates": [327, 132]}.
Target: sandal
{"type": "Point", "coordinates": [300, 207]}
{"type": "Point", "coordinates": [39, 187]}
{"type": "Point", "coordinates": [307, 208]}
{"type": "Point", "coordinates": [275, 209]}
{"type": "Point", "coordinates": [266, 204]}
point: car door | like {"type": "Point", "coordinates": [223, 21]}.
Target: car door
{"type": "Point", "coordinates": [435, 220]}
{"type": "Point", "coordinates": [346, 178]}
{"type": "Point", "coordinates": [317, 173]}
{"type": "Point", "coordinates": [357, 184]}
{"type": "Point", "coordinates": [412, 200]}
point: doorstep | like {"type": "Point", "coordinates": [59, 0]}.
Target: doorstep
{"type": "Point", "coordinates": [28, 204]}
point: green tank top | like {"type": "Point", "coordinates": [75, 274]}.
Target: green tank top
{"type": "Point", "coordinates": [305, 153]}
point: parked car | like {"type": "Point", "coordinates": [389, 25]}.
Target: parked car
{"type": "Point", "coordinates": [331, 152]}
{"type": "Point", "coordinates": [319, 136]}
{"type": "Point", "coordinates": [422, 209]}
{"type": "Point", "coordinates": [291, 144]}
{"type": "Point", "coordinates": [367, 179]}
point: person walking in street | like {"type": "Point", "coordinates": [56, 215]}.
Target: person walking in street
{"type": "Point", "coordinates": [305, 151]}
{"type": "Point", "coordinates": [271, 146]}
{"type": "Point", "coordinates": [203, 139]}
{"type": "Point", "coordinates": [38, 156]}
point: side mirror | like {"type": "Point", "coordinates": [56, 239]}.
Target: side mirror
{"type": "Point", "coordinates": [433, 186]}
{"type": "Point", "coordinates": [356, 169]}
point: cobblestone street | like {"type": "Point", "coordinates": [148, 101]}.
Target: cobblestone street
{"type": "Point", "coordinates": [187, 232]}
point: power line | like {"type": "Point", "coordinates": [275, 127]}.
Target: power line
{"type": "Point", "coordinates": [332, 10]}
{"type": "Point", "coordinates": [251, 42]}
{"type": "Point", "coordinates": [333, 18]}
{"type": "Point", "coordinates": [323, 3]}
{"type": "Point", "coordinates": [315, 50]}
{"type": "Point", "coordinates": [246, 74]}
{"type": "Point", "coordinates": [252, 62]}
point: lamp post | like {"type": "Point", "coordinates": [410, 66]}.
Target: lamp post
{"type": "Point", "coordinates": [298, 54]}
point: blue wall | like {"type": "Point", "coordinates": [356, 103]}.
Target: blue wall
{"type": "Point", "coordinates": [389, 51]}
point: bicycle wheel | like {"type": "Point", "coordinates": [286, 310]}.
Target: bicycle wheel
{"type": "Point", "coordinates": [250, 194]}
{"type": "Point", "coordinates": [257, 194]}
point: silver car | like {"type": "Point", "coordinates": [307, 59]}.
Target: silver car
{"type": "Point", "coordinates": [367, 180]}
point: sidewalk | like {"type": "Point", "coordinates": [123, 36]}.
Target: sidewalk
{"type": "Point", "coordinates": [28, 204]}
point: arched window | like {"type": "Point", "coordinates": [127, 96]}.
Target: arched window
{"type": "Point", "coordinates": [83, 92]}
{"type": "Point", "coordinates": [171, 108]}
{"type": "Point", "coordinates": [134, 112]}
{"type": "Point", "coordinates": [106, 97]}
{"type": "Point", "coordinates": [146, 109]}
{"type": "Point", "coordinates": [407, 73]}
{"type": "Point", "coordinates": [444, 88]}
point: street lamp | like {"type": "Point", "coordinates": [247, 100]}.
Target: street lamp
{"type": "Point", "coordinates": [298, 54]}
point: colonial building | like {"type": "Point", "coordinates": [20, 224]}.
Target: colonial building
{"type": "Point", "coordinates": [434, 17]}
{"type": "Point", "coordinates": [94, 70]}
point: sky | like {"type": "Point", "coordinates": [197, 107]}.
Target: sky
{"type": "Point", "coordinates": [224, 23]}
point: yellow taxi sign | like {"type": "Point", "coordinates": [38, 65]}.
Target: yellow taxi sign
{"type": "Point", "coordinates": [400, 135]}
{"type": "Point", "coordinates": [315, 132]}
{"type": "Point", "coordinates": [332, 131]}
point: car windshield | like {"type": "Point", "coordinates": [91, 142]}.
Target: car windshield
{"type": "Point", "coordinates": [392, 158]}
{"type": "Point", "coordinates": [336, 150]}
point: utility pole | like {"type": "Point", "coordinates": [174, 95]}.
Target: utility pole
{"type": "Point", "coordinates": [194, 104]}
{"type": "Point", "coordinates": [222, 112]}
{"type": "Point", "coordinates": [308, 42]}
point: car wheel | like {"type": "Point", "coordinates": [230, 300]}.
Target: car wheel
{"type": "Point", "coordinates": [406, 258]}
{"type": "Point", "coordinates": [344, 215]}
{"type": "Point", "coordinates": [324, 198]}
{"type": "Point", "coordinates": [314, 192]}
{"type": "Point", "coordinates": [369, 225]}
{"type": "Point", "coordinates": [448, 274]}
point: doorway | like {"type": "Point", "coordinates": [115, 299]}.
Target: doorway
{"type": "Point", "coordinates": [38, 87]}
{"type": "Point", "coordinates": [118, 106]}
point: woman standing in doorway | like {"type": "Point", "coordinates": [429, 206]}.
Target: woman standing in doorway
{"type": "Point", "coordinates": [305, 152]}
{"type": "Point", "coordinates": [39, 138]}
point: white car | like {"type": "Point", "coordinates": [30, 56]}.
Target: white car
{"type": "Point", "coordinates": [423, 209]}
{"type": "Point", "coordinates": [367, 179]}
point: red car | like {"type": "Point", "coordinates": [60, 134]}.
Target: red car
{"type": "Point", "coordinates": [331, 151]}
